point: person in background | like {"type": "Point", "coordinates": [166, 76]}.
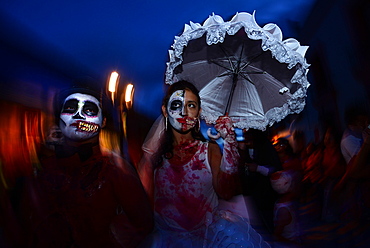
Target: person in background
{"type": "Point", "coordinates": [359, 165]}
{"type": "Point", "coordinates": [355, 181]}
{"type": "Point", "coordinates": [258, 161]}
{"type": "Point", "coordinates": [357, 121]}
{"type": "Point", "coordinates": [82, 197]}
{"type": "Point", "coordinates": [287, 230]}
{"type": "Point", "coordinates": [288, 159]}
{"type": "Point", "coordinates": [186, 176]}
{"type": "Point", "coordinates": [333, 168]}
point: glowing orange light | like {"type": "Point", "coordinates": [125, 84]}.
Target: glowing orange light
{"type": "Point", "coordinates": [274, 139]}
{"type": "Point", "coordinates": [113, 81]}
{"type": "Point", "coordinates": [284, 134]}
{"type": "Point", "coordinates": [129, 93]}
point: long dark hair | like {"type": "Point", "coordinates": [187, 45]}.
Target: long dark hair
{"type": "Point", "coordinates": [166, 147]}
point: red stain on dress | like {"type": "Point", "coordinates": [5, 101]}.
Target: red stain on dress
{"type": "Point", "coordinates": [184, 190]}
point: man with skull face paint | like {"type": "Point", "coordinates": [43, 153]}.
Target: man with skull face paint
{"type": "Point", "coordinates": [185, 177]}
{"type": "Point", "coordinates": [86, 198]}
{"type": "Point", "coordinates": [81, 117]}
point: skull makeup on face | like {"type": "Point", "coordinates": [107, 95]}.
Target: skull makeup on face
{"type": "Point", "coordinates": [183, 110]}
{"type": "Point", "coordinates": [81, 117]}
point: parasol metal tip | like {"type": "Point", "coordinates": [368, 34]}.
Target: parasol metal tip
{"type": "Point", "coordinates": [242, 17]}
{"type": "Point", "coordinates": [213, 20]}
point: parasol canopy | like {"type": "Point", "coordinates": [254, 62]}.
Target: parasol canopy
{"type": "Point", "coordinates": [241, 70]}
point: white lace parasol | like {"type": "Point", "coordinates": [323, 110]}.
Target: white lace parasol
{"type": "Point", "coordinates": [265, 76]}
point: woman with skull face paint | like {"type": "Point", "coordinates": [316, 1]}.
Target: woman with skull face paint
{"type": "Point", "coordinates": [86, 198]}
{"type": "Point", "coordinates": [186, 176]}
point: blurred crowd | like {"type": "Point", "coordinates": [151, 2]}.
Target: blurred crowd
{"type": "Point", "coordinates": [310, 195]}
{"type": "Point", "coordinates": [319, 190]}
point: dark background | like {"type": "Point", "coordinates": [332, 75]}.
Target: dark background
{"type": "Point", "coordinates": [45, 45]}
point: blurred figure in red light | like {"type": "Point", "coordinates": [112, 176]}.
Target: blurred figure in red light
{"type": "Point", "coordinates": [82, 197]}
{"type": "Point", "coordinates": [312, 187]}
{"type": "Point", "coordinates": [323, 170]}
{"type": "Point", "coordinates": [289, 160]}
{"type": "Point", "coordinates": [20, 137]}
{"type": "Point", "coordinates": [306, 154]}
{"type": "Point", "coordinates": [333, 167]}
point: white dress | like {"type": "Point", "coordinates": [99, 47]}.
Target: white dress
{"type": "Point", "coordinates": [186, 211]}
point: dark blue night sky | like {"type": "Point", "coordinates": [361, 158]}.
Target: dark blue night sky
{"type": "Point", "coordinates": [132, 37]}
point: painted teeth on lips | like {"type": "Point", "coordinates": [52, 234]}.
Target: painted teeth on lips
{"type": "Point", "coordinates": [186, 120]}
{"type": "Point", "coordinates": [181, 120]}
{"type": "Point", "coordinates": [87, 127]}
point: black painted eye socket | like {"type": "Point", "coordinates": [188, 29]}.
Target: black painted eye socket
{"type": "Point", "coordinates": [176, 105]}
{"type": "Point", "coordinates": [90, 109]}
{"type": "Point", "coordinates": [70, 106]}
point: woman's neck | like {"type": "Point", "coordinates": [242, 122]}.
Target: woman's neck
{"type": "Point", "coordinates": [180, 138]}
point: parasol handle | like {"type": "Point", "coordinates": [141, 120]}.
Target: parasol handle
{"type": "Point", "coordinates": [229, 100]}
